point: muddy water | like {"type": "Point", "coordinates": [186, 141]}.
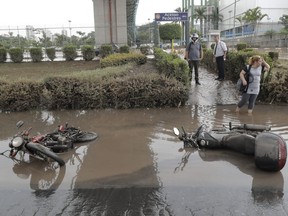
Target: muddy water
{"type": "Point", "coordinates": [138, 167]}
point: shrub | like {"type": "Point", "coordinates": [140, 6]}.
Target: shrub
{"type": "Point", "coordinates": [36, 54]}
{"type": "Point", "coordinates": [145, 50]}
{"type": "Point", "coordinates": [16, 54]}
{"type": "Point", "coordinates": [273, 55]}
{"type": "Point", "coordinates": [105, 50]}
{"type": "Point", "coordinates": [51, 53]}
{"type": "Point", "coordinates": [3, 55]}
{"type": "Point", "coordinates": [88, 52]}
{"type": "Point", "coordinates": [122, 58]}
{"type": "Point", "coordinates": [69, 52]}
{"type": "Point", "coordinates": [20, 96]}
{"type": "Point", "coordinates": [124, 49]}
{"type": "Point", "coordinates": [241, 46]}
{"type": "Point", "coordinates": [171, 65]}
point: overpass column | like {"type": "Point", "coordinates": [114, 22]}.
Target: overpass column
{"type": "Point", "coordinates": [110, 22]}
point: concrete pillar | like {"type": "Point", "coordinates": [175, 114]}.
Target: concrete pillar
{"type": "Point", "coordinates": [110, 22]}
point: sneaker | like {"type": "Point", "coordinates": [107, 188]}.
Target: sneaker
{"type": "Point", "coordinates": [217, 78]}
{"type": "Point", "coordinates": [198, 83]}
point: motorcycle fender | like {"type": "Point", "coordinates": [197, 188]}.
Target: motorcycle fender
{"type": "Point", "coordinates": [270, 152]}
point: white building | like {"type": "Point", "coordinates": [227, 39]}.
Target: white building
{"type": "Point", "coordinates": [231, 9]}
{"type": "Point", "coordinates": [30, 32]}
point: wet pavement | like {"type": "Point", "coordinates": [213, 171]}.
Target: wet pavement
{"type": "Point", "coordinates": [138, 167]}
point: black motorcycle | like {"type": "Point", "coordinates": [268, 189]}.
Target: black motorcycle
{"type": "Point", "coordinates": [21, 142]}
{"type": "Point", "coordinates": [269, 149]}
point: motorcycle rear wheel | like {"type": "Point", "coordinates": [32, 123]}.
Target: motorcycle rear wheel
{"type": "Point", "coordinates": [44, 152]}
{"type": "Point", "coordinates": [86, 136]}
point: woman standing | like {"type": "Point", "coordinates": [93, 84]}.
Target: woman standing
{"type": "Point", "coordinates": [255, 68]}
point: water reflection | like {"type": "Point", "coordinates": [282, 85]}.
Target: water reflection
{"type": "Point", "coordinates": [42, 175]}
{"type": "Point", "coordinates": [136, 168]}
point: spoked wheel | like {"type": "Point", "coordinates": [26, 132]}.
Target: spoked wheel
{"type": "Point", "coordinates": [45, 153]}
{"type": "Point", "coordinates": [86, 136]}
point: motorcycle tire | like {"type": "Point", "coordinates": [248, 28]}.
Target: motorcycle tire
{"type": "Point", "coordinates": [44, 152]}
{"type": "Point", "coordinates": [86, 136]}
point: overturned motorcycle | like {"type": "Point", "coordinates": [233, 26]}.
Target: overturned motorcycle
{"type": "Point", "coordinates": [64, 138]}
{"type": "Point", "coordinates": [269, 149]}
{"type": "Point", "coordinates": [22, 143]}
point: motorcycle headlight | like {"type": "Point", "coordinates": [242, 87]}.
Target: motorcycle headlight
{"type": "Point", "coordinates": [17, 141]}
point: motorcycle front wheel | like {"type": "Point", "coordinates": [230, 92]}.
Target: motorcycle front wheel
{"type": "Point", "coordinates": [86, 136]}
{"type": "Point", "coordinates": [44, 152]}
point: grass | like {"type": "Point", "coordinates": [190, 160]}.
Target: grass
{"type": "Point", "coordinates": [41, 70]}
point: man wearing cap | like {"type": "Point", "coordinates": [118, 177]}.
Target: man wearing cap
{"type": "Point", "coordinates": [193, 55]}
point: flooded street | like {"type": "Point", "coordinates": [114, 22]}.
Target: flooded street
{"type": "Point", "coordinates": [138, 167]}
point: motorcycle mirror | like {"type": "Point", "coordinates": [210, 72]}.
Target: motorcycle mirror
{"type": "Point", "coordinates": [176, 131]}
{"type": "Point", "coordinates": [19, 124]}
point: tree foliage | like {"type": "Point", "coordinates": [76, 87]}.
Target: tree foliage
{"type": "Point", "coordinates": [253, 15]}
{"type": "Point", "coordinates": [170, 31]}
{"type": "Point", "coordinates": [284, 21]}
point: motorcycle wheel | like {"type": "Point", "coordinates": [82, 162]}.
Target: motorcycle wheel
{"type": "Point", "coordinates": [44, 153]}
{"type": "Point", "coordinates": [86, 136]}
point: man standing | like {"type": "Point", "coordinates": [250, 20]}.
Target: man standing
{"type": "Point", "coordinates": [193, 55]}
{"type": "Point", "coordinates": [220, 50]}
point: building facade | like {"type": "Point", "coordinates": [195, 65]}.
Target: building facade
{"type": "Point", "coordinates": [232, 9]}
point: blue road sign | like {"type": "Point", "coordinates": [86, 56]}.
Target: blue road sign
{"type": "Point", "coordinates": [171, 16]}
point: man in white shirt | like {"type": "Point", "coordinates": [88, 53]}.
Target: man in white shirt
{"type": "Point", "coordinates": [220, 50]}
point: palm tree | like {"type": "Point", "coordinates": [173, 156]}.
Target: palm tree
{"type": "Point", "coordinates": [178, 10]}
{"type": "Point", "coordinates": [241, 21]}
{"type": "Point", "coordinates": [284, 21]}
{"type": "Point", "coordinates": [270, 33]}
{"type": "Point", "coordinates": [200, 14]}
{"type": "Point", "coordinates": [216, 18]}
{"type": "Point", "coordinates": [253, 16]}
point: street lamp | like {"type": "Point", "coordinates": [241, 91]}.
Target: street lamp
{"type": "Point", "coordinates": [149, 30]}
{"type": "Point", "coordinates": [70, 29]}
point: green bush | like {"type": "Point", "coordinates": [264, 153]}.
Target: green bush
{"type": "Point", "coordinates": [16, 54]}
{"type": "Point", "coordinates": [51, 53]}
{"type": "Point", "coordinates": [273, 55]}
{"type": "Point", "coordinates": [235, 63]}
{"type": "Point", "coordinates": [36, 54]}
{"type": "Point", "coordinates": [248, 50]}
{"type": "Point", "coordinates": [241, 46]}
{"type": "Point", "coordinates": [70, 52]}
{"type": "Point", "coordinates": [3, 55]}
{"type": "Point", "coordinates": [105, 50]}
{"type": "Point", "coordinates": [124, 49]}
{"type": "Point", "coordinates": [88, 52]}
{"type": "Point", "coordinates": [20, 95]}
{"type": "Point", "coordinates": [171, 65]}
{"type": "Point", "coordinates": [212, 46]}
{"type": "Point", "coordinates": [144, 50]}
{"type": "Point", "coordinates": [122, 58]}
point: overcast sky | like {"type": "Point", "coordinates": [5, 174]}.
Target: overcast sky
{"type": "Point", "coordinates": [57, 13]}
